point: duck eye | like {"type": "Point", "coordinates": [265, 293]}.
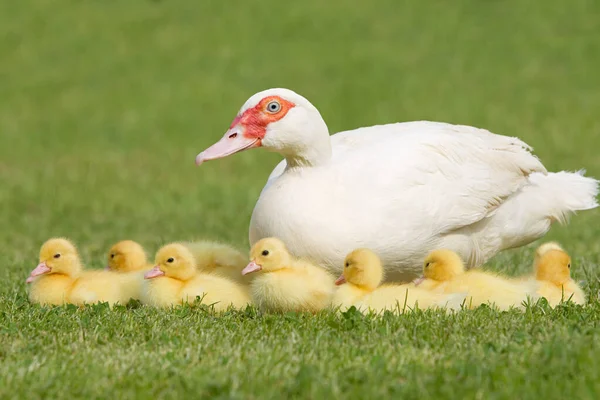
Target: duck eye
{"type": "Point", "coordinates": [112, 256]}
{"type": "Point", "coordinates": [347, 264]}
{"type": "Point", "coordinates": [265, 252]}
{"type": "Point", "coordinates": [273, 107]}
{"type": "Point", "coordinates": [57, 255]}
{"type": "Point", "coordinates": [427, 265]}
{"type": "Point", "coordinates": [569, 265]}
{"type": "Point", "coordinates": [170, 260]}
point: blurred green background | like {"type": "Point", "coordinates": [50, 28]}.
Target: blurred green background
{"type": "Point", "coordinates": [104, 105]}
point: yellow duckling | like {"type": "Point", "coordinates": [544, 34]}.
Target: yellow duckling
{"type": "Point", "coordinates": [553, 273]}
{"type": "Point", "coordinates": [175, 281]}
{"type": "Point", "coordinates": [444, 271]}
{"type": "Point", "coordinates": [127, 259]}
{"type": "Point", "coordinates": [59, 278]}
{"type": "Point", "coordinates": [219, 259]}
{"type": "Point", "coordinates": [359, 286]}
{"type": "Point", "coordinates": [284, 283]}
{"type": "Point", "coordinates": [127, 256]}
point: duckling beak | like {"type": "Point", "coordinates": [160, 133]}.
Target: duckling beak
{"type": "Point", "coordinates": [154, 273]}
{"type": "Point", "coordinates": [419, 280]}
{"type": "Point", "coordinates": [41, 269]}
{"type": "Point", "coordinates": [232, 142]}
{"type": "Point", "coordinates": [340, 281]}
{"type": "Point", "coordinates": [250, 268]}
{"type": "Point", "coordinates": [107, 268]}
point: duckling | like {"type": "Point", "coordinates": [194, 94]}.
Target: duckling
{"type": "Point", "coordinates": [359, 286]}
{"type": "Point", "coordinates": [128, 260]}
{"type": "Point", "coordinates": [362, 274]}
{"type": "Point", "coordinates": [219, 259]}
{"type": "Point", "coordinates": [175, 281]}
{"type": "Point", "coordinates": [59, 278]}
{"type": "Point", "coordinates": [284, 283]}
{"type": "Point", "coordinates": [444, 271]}
{"type": "Point", "coordinates": [553, 273]}
{"type": "Point", "coordinates": [127, 256]}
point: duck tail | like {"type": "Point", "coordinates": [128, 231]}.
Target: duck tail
{"type": "Point", "coordinates": [561, 194]}
{"type": "Point", "coordinates": [528, 214]}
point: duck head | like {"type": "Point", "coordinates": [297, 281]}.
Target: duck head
{"type": "Point", "coordinates": [57, 256]}
{"type": "Point", "coordinates": [554, 266]}
{"type": "Point", "coordinates": [279, 120]}
{"type": "Point", "coordinates": [173, 261]}
{"type": "Point", "coordinates": [126, 256]}
{"type": "Point", "coordinates": [267, 255]}
{"type": "Point", "coordinates": [441, 265]}
{"type": "Point", "coordinates": [362, 267]}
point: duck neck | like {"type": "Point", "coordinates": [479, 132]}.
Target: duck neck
{"type": "Point", "coordinates": [317, 154]}
{"type": "Point", "coordinates": [306, 144]}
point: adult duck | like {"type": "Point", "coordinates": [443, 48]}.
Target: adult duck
{"type": "Point", "coordinates": [400, 189]}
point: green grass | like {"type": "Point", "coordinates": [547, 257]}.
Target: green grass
{"type": "Point", "coordinates": [104, 104]}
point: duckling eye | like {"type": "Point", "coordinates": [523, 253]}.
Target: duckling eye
{"type": "Point", "coordinates": [57, 255]}
{"type": "Point", "coordinates": [347, 264]}
{"type": "Point", "coordinates": [569, 265]}
{"type": "Point", "coordinates": [273, 107]}
{"type": "Point", "coordinates": [265, 252]}
{"type": "Point", "coordinates": [170, 260]}
{"type": "Point", "coordinates": [427, 265]}
{"type": "Point", "coordinates": [112, 256]}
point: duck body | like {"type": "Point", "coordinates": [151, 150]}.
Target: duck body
{"type": "Point", "coordinates": [51, 290]}
{"type": "Point", "coordinates": [407, 297]}
{"type": "Point", "coordinates": [219, 259]}
{"type": "Point", "coordinates": [348, 295]}
{"type": "Point", "coordinates": [213, 290]}
{"type": "Point", "coordinates": [131, 284]}
{"type": "Point", "coordinates": [88, 287]}
{"type": "Point", "coordinates": [300, 288]}
{"type": "Point", "coordinates": [486, 288]}
{"type": "Point", "coordinates": [570, 291]}
{"type": "Point", "coordinates": [400, 189]}
{"type": "Point", "coordinates": [99, 286]}
{"type": "Point", "coordinates": [421, 185]}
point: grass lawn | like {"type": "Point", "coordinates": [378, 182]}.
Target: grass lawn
{"type": "Point", "coordinates": [104, 105]}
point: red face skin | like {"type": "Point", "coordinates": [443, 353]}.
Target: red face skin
{"type": "Point", "coordinates": [248, 129]}
{"type": "Point", "coordinates": [255, 120]}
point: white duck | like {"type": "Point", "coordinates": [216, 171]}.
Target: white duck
{"type": "Point", "coordinates": [401, 189]}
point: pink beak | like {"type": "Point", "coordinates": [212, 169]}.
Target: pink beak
{"type": "Point", "coordinates": [233, 142]}
{"type": "Point", "coordinates": [340, 281]}
{"type": "Point", "coordinates": [154, 273]}
{"type": "Point", "coordinates": [107, 268]}
{"type": "Point", "coordinates": [250, 268]}
{"type": "Point", "coordinates": [41, 269]}
{"type": "Point", "coordinates": [419, 280]}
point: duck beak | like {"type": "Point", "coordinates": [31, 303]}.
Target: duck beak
{"type": "Point", "coordinates": [250, 268]}
{"type": "Point", "coordinates": [154, 273]}
{"type": "Point", "coordinates": [232, 142]}
{"type": "Point", "coordinates": [340, 281]}
{"type": "Point", "coordinates": [41, 269]}
{"type": "Point", "coordinates": [419, 280]}
{"type": "Point", "coordinates": [107, 268]}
